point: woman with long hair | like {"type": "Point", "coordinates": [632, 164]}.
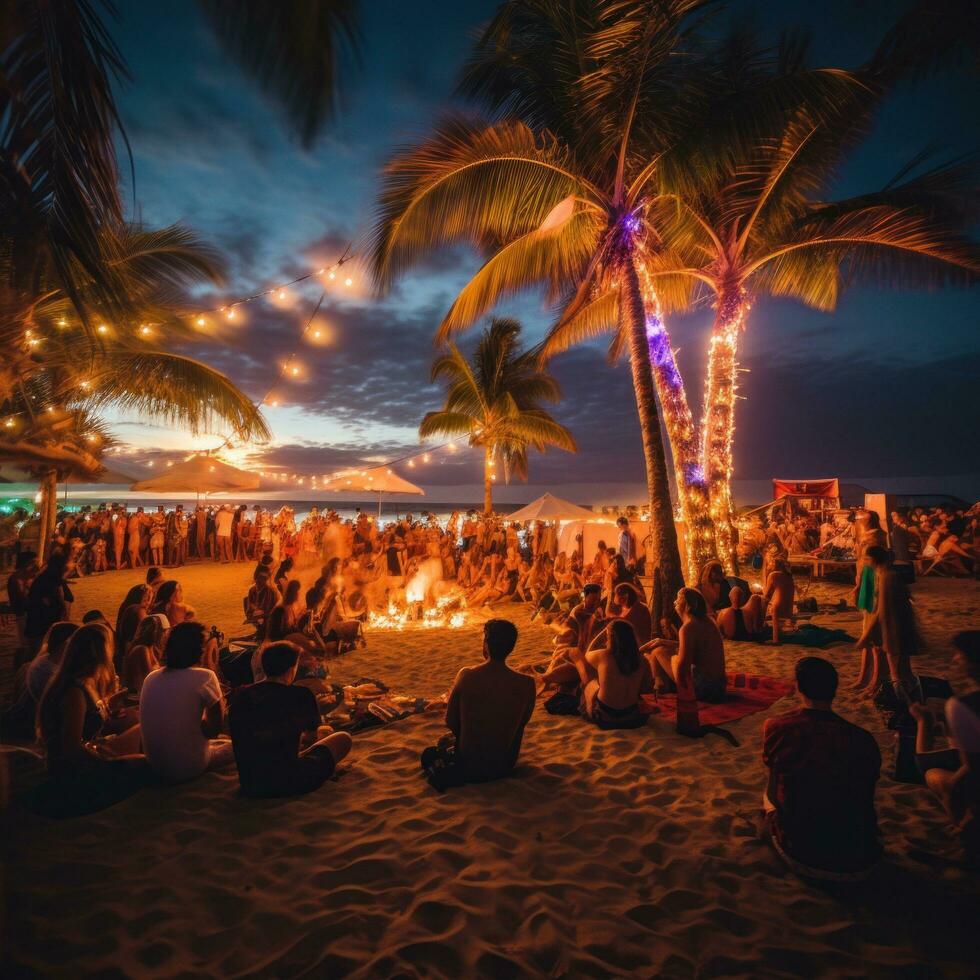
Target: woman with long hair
{"type": "Point", "coordinates": [89, 767]}
{"type": "Point", "coordinates": [132, 612]}
{"type": "Point", "coordinates": [145, 653]}
{"type": "Point", "coordinates": [170, 603]}
{"type": "Point", "coordinates": [613, 678]}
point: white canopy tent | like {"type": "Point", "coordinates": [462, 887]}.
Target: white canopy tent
{"type": "Point", "coordinates": [201, 474]}
{"type": "Point", "coordinates": [378, 479]}
{"type": "Point", "coordinates": [548, 507]}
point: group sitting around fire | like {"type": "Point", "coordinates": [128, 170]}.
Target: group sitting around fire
{"type": "Point", "coordinates": [152, 696]}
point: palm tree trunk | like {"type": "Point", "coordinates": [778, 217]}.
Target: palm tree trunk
{"type": "Point", "coordinates": [719, 416]}
{"type": "Point", "coordinates": [487, 480]}
{"type": "Point", "coordinates": [663, 557]}
{"type": "Point", "coordinates": [685, 446]}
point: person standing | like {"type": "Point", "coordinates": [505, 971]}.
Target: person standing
{"type": "Point", "coordinates": [891, 634]}
{"type": "Point", "coordinates": [18, 588]}
{"type": "Point", "coordinates": [627, 542]}
{"type": "Point", "coordinates": [222, 526]}
{"type": "Point", "coordinates": [48, 601]}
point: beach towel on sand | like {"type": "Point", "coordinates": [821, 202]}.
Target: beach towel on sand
{"type": "Point", "coordinates": [746, 694]}
{"type": "Point", "coordinates": [809, 635]}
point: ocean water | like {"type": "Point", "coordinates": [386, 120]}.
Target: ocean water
{"type": "Point", "coordinates": [348, 510]}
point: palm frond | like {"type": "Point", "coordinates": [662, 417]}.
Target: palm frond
{"type": "Point", "coordinates": [468, 182]}
{"type": "Point", "coordinates": [170, 387]}
{"type": "Point", "coordinates": [555, 256]}
{"type": "Point", "coordinates": [595, 318]}
{"type": "Point", "coordinates": [297, 51]}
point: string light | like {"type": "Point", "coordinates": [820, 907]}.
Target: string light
{"type": "Point", "coordinates": [201, 321]}
{"type": "Point", "coordinates": [718, 429]}
{"type": "Point", "coordinates": [145, 331]}
{"type": "Point", "coordinates": [102, 328]}
{"type": "Point", "coordinates": [685, 443]}
{"type": "Point", "coordinates": [348, 281]}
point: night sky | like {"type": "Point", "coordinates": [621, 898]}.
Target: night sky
{"type": "Point", "coordinates": [885, 386]}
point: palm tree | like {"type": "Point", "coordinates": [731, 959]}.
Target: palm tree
{"type": "Point", "coordinates": [495, 402]}
{"type": "Point", "coordinates": [758, 223]}
{"type": "Point", "coordinates": [556, 187]}
{"type": "Point", "coordinates": [58, 376]}
{"type": "Point", "coordinates": [554, 192]}
{"type": "Point", "coordinates": [59, 187]}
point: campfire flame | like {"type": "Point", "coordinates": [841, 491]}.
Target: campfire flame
{"type": "Point", "coordinates": [423, 609]}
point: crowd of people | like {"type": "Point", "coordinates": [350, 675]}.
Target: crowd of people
{"type": "Point", "coordinates": [943, 540]}
{"type": "Point", "coordinates": [152, 694]}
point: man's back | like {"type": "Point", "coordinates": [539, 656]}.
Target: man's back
{"type": "Point", "coordinates": [822, 779]}
{"type": "Point", "coordinates": [488, 709]}
{"type": "Point", "coordinates": [266, 721]}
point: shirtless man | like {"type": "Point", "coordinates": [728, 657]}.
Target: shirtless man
{"type": "Point", "coordinates": [583, 625]}
{"type": "Point", "coordinates": [133, 531]}
{"type": "Point", "coordinates": [780, 593]}
{"type": "Point", "coordinates": [698, 648]}
{"type": "Point", "coordinates": [119, 524]}
{"type": "Point", "coordinates": [489, 707]}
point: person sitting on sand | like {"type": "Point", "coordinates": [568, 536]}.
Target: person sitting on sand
{"type": "Point", "coordinates": [779, 596]}
{"type": "Point", "coordinates": [713, 585]}
{"type": "Point", "coordinates": [634, 611]}
{"type": "Point", "coordinates": [742, 620]}
{"type": "Point", "coordinates": [613, 678]}
{"type": "Point", "coordinates": [271, 722]}
{"type": "Point", "coordinates": [169, 602]}
{"type": "Point", "coordinates": [289, 621]}
{"type": "Point", "coordinates": [145, 653]}
{"type": "Point", "coordinates": [954, 774]}
{"type": "Point", "coordinates": [182, 710]}
{"type": "Point", "coordinates": [699, 649]}
{"type": "Point", "coordinates": [488, 709]}
{"type": "Point", "coordinates": [819, 802]}
{"type": "Point", "coordinates": [19, 720]}
{"type": "Point", "coordinates": [91, 763]}
{"type": "Point", "coordinates": [261, 599]}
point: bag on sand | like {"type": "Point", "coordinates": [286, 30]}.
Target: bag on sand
{"type": "Point", "coordinates": [441, 766]}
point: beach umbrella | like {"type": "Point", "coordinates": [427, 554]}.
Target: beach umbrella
{"type": "Point", "coordinates": [548, 507]}
{"type": "Point", "coordinates": [378, 479]}
{"type": "Point", "coordinates": [199, 474]}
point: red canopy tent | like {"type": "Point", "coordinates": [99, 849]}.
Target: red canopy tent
{"type": "Point", "coordinates": [816, 489]}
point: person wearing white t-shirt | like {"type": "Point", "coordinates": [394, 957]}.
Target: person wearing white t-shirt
{"type": "Point", "coordinates": [182, 710]}
{"type": "Point", "coordinates": [222, 523]}
{"type": "Point", "coordinates": [954, 774]}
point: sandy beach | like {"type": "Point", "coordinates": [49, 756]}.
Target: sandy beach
{"type": "Point", "coordinates": [630, 853]}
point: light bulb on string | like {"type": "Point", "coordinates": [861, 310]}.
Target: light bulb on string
{"type": "Point", "coordinates": [62, 322]}
{"type": "Point", "coordinates": [348, 281]}
{"type": "Point", "coordinates": [145, 331]}
{"type": "Point", "coordinates": [201, 321]}
{"type": "Point", "coordinates": [102, 328]}
{"type": "Point", "coordinates": [332, 274]}
{"type": "Point", "coordinates": [425, 458]}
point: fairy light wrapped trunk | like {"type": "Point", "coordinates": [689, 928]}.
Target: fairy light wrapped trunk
{"type": "Point", "coordinates": [682, 433]}
{"type": "Point", "coordinates": [721, 390]}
